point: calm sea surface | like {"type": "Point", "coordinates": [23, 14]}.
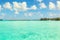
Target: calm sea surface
{"type": "Point", "coordinates": [29, 30]}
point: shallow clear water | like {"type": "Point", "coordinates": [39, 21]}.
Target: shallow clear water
{"type": "Point", "coordinates": [29, 30]}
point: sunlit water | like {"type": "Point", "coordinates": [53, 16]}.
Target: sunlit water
{"type": "Point", "coordinates": [29, 30]}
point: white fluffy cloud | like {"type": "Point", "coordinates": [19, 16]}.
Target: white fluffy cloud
{"type": "Point", "coordinates": [52, 5]}
{"type": "Point", "coordinates": [42, 5]}
{"type": "Point", "coordinates": [58, 4]}
{"type": "Point", "coordinates": [0, 7]}
{"type": "Point", "coordinates": [34, 7]}
{"type": "Point", "coordinates": [20, 6]}
{"type": "Point", "coordinates": [17, 7]}
{"type": "Point", "coordinates": [7, 5]}
{"type": "Point", "coordinates": [24, 6]}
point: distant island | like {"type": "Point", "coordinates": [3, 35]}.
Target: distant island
{"type": "Point", "coordinates": [56, 19]}
{"type": "Point", "coordinates": [41, 19]}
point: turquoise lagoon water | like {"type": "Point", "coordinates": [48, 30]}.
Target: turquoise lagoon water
{"type": "Point", "coordinates": [29, 30]}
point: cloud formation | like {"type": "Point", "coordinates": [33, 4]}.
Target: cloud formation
{"type": "Point", "coordinates": [7, 5]}
{"type": "Point", "coordinates": [0, 8]}
{"type": "Point", "coordinates": [42, 5]}
{"type": "Point", "coordinates": [52, 5]}
{"type": "Point", "coordinates": [33, 7]}
{"type": "Point", "coordinates": [22, 6]}
{"type": "Point", "coordinates": [58, 4]}
{"type": "Point", "coordinates": [17, 7]}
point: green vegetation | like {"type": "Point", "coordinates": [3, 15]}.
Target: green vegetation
{"type": "Point", "coordinates": [57, 19]}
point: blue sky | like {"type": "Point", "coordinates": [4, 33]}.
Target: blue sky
{"type": "Point", "coordinates": [29, 9]}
